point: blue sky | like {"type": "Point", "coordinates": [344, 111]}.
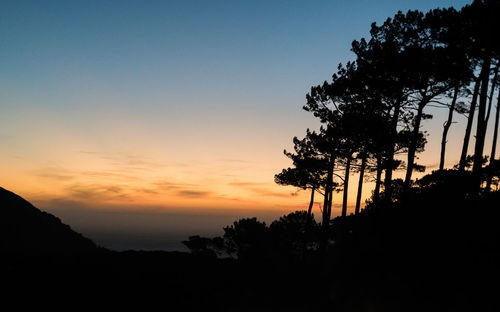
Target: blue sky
{"type": "Point", "coordinates": [199, 52]}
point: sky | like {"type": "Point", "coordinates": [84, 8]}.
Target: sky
{"type": "Point", "coordinates": [140, 123]}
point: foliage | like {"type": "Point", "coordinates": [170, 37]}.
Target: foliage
{"type": "Point", "coordinates": [249, 239]}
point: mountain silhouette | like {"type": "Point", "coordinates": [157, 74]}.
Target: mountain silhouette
{"type": "Point", "coordinates": [26, 229]}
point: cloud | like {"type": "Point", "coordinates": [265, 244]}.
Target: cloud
{"type": "Point", "coordinates": [58, 203]}
{"type": "Point", "coordinates": [164, 185]}
{"type": "Point", "coordinates": [127, 162]}
{"type": "Point", "coordinates": [266, 192]}
{"type": "Point", "coordinates": [178, 189]}
{"type": "Point", "coordinates": [146, 190]}
{"type": "Point", "coordinates": [54, 174]}
{"type": "Point", "coordinates": [259, 189]}
{"type": "Point", "coordinates": [246, 184]}
{"type": "Point", "coordinates": [107, 174]}
{"type": "Point", "coordinates": [87, 192]}
{"type": "Point", "coordinates": [193, 193]}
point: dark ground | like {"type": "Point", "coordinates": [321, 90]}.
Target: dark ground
{"type": "Point", "coordinates": [428, 252]}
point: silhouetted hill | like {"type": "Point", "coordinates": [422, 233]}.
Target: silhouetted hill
{"type": "Point", "coordinates": [26, 229]}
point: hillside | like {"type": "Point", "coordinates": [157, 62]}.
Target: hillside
{"type": "Point", "coordinates": [26, 229]}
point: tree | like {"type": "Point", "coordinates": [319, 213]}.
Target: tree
{"type": "Point", "coordinates": [380, 60]}
{"type": "Point", "coordinates": [468, 128]}
{"type": "Point", "coordinates": [246, 238]}
{"type": "Point", "coordinates": [323, 103]}
{"type": "Point", "coordinates": [447, 28]}
{"type": "Point", "coordinates": [290, 236]}
{"type": "Point", "coordinates": [411, 62]}
{"type": "Point", "coordinates": [203, 246]}
{"type": "Point", "coordinates": [491, 167]}
{"type": "Point", "coordinates": [446, 127]}
{"type": "Point", "coordinates": [420, 62]}
{"type": "Point", "coordinates": [310, 167]}
{"type": "Point", "coordinates": [481, 18]}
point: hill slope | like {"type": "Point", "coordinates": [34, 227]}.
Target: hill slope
{"type": "Point", "coordinates": [26, 229]}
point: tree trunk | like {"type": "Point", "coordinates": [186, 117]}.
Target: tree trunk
{"type": "Point", "coordinates": [346, 185]}
{"type": "Point", "coordinates": [390, 151]}
{"type": "Point", "coordinates": [376, 191]}
{"type": "Point", "coordinates": [330, 202]}
{"type": "Point", "coordinates": [414, 143]}
{"type": "Point", "coordinates": [468, 129]}
{"type": "Point", "coordinates": [481, 123]}
{"type": "Point", "coordinates": [447, 127]}
{"type": "Point", "coordinates": [493, 145]}
{"type": "Point", "coordinates": [492, 155]}
{"type": "Point", "coordinates": [360, 183]}
{"type": "Point", "coordinates": [311, 203]}
{"type": "Point", "coordinates": [308, 223]}
{"type": "Point", "coordinates": [327, 197]}
{"type": "Point", "coordinates": [325, 222]}
{"type": "Point", "coordinates": [492, 92]}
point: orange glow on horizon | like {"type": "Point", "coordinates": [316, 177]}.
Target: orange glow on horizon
{"type": "Point", "coordinates": [128, 167]}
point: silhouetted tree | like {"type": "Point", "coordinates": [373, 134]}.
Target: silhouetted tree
{"type": "Point", "coordinates": [310, 167]}
{"type": "Point", "coordinates": [446, 127]}
{"type": "Point", "coordinates": [343, 105]}
{"type": "Point", "coordinates": [481, 18]}
{"type": "Point", "coordinates": [246, 238]}
{"type": "Point", "coordinates": [447, 30]}
{"type": "Point", "coordinates": [492, 166]}
{"type": "Point", "coordinates": [468, 128]}
{"type": "Point", "coordinates": [412, 61]}
{"type": "Point", "coordinates": [291, 237]}
{"type": "Point", "coordinates": [201, 246]}
{"type": "Point", "coordinates": [380, 60]}
{"type": "Point", "coordinates": [324, 106]}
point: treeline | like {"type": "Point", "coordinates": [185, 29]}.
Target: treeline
{"type": "Point", "coordinates": [372, 110]}
{"type": "Point", "coordinates": [371, 114]}
{"type": "Point", "coordinates": [284, 240]}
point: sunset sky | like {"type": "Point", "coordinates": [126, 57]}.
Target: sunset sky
{"type": "Point", "coordinates": [142, 122]}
